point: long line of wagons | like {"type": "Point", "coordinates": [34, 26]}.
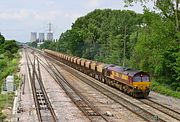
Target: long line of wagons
{"type": "Point", "coordinates": [133, 82]}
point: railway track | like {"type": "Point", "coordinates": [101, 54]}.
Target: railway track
{"type": "Point", "coordinates": [172, 113]}
{"type": "Point", "coordinates": [148, 116]}
{"type": "Point", "coordinates": [45, 112]}
{"type": "Point", "coordinates": [80, 101]}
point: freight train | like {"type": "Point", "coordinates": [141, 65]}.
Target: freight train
{"type": "Point", "coordinates": [133, 82]}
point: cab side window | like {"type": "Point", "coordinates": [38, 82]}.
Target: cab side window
{"type": "Point", "coordinates": [145, 78]}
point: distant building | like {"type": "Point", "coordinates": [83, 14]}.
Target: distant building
{"type": "Point", "coordinates": [50, 36]}
{"type": "Point", "coordinates": [33, 36]}
{"type": "Point", "coordinates": [41, 37]}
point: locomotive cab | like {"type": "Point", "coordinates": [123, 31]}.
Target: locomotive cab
{"type": "Point", "coordinates": [141, 83]}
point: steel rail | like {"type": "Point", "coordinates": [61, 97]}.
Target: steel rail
{"type": "Point", "coordinates": [172, 113]}
{"type": "Point", "coordinates": [45, 94]}
{"type": "Point", "coordinates": [142, 113]}
{"type": "Point", "coordinates": [39, 80]}
{"type": "Point", "coordinates": [83, 104]}
{"type": "Point", "coordinates": [32, 80]}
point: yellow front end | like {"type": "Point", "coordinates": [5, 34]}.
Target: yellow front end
{"type": "Point", "coordinates": [141, 85]}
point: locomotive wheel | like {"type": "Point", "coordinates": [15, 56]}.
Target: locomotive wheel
{"type": "Point", "coordinates": [120, 87]}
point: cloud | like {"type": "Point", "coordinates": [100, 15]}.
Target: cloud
{"type": "Point", "coordinates": [32, 15]}
{"type": "Point", "coordinates": [93, 3]}
{"type": "Point", "coordinates": [22, 15]}
{"type": "Point", "coordinates": [12, 15]}
{"type": "Point", "coordinates": [46, 16]}
{"type": "Point", "coordinates": [49, 3]}
{"type": "Point", "coordinates": [71, 15]}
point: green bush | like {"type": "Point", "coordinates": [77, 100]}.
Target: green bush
{"type": "Point", "coordinates": [174, 86]}
{"type": "Point", "coordinates": [2, 116]}
{"type": "Point", "coordinates": [6, 99]}
{"type": "Point", "coordinates": [3, 63]}
{"type": "Point", "coordinates": [178, 89]}
{"type": "Point", "coordinates": [157, 87]}
{"type": "Point", "coordinates": [17, 80]}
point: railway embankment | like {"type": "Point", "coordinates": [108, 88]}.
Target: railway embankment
{"type": "Point", "coordinates": [8, 67]}
{"type": "Point", "coordinates": [159, 88]}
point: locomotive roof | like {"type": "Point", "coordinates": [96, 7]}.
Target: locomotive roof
{"type": "Point", "coordinates": [124, 70]}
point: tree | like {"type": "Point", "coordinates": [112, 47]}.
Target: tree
{"type": "Point", "coordinates": [46, 45]}
{"type": "Point", "coordinates": [33, 44]}
{"type": "Point", "coordinates": [169, 8]}
{"type": "Point", "coordinates": [2, 39]}
{"type": "Point", "coordinates": [9, 47]}
{"type": "Point", "coordinates": [157, 49]}
{"type": "Point", "coordinates": [94, 35]}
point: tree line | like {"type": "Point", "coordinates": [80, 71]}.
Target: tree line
{"type": "Point", "coordinates": [148, 41]}
{"type": "Point", "coordinates": [8, 47]}
{"type": "Point", "coordinates": [8, 65]}
{"type": "Point", "coordinates": [8, 51]}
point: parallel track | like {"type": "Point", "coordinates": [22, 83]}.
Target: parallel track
{"type": "Point", "coordinates": [81, 102]}
{"type": "Point", "coordinates": [142, 113]}
{"type": "Point", "coordinates": [31, 77]}
{"type": "Point", "coordinates": [42, 102]}
{"type": "Point", "coordinates": [127, 104]}
{"type": "Point", "coordinates": [172, 113]}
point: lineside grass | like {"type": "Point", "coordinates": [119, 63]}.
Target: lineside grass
{"type": "Point", "coordinates": [157, 87]}
{"type": "Point", "coordinates": [6, 100]}
{"type": "Point", "coordinates": [11, 67]}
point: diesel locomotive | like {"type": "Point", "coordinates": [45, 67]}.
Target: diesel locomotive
{"type": "Point", "coordinates": [133, 82]}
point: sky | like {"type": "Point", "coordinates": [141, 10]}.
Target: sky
{"type": "Point", "coordinates": [18, 18]}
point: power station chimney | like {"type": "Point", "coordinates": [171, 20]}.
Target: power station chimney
{"type": "Point", "coordinates": [33, 36]}
{"type": "Point", "coordinates": [41, 37]}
